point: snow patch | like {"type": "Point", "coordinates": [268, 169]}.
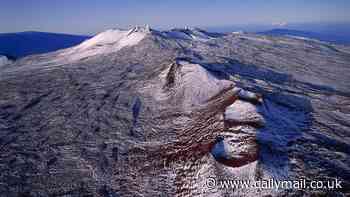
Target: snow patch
{"type": "Point", "coordinates": [191, 84]}
{"type": "Point", "coordinates": [198, 85]}
{"type": "Point", "coordinates": [188, 34]}
{"type": "Point", "coordinates": [302, 38]}
{"type": "Point", "coordinates": [4, 60]}
{"type": "Point", "coordinates": [243, 112]}
{"type": "Point", "coordinates": [256, 38]}
{"type": "Point", "coordinates": [237, 32]}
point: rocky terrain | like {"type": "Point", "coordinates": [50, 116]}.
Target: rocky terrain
{"type": "Point", "coordinates": [143, 112]}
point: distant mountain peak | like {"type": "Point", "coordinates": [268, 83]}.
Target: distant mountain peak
{"type": "Point", "coordinates": [142, 29]}
{"type": "Point", "coordinates": [190, 33]}
{"type": "Point", "coordinates": [108, 41]}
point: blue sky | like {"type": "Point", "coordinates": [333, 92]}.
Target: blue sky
{"type": "Point", "coordinates": [90, 16]}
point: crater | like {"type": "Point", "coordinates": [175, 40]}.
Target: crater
{"type": "Point", "coordinates": [238, 146]}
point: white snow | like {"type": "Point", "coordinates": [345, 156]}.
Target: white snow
{"type": "Point", "coordinates": [197, 34]}
{"type": "Point", "coordinates": [194, 85]}
{"type": "Point", "coordinates": [238, 32]}
{"type": "Point", "coordinates": [301, 37]}
{"type": "Point", "coordinates": [243, 112]}
{"type": "Point", "coordinates": [177, 35]}
{"type": "Point", "coordinates": [188, 34]}
{"type": "Point", "coordinates": [4, 60]}
{"type": "Point", "coordinates": [248, 96]}
{"type": "Point", "coordinates": [236, 145]}
{"type": "Point", "coordinates": [198, 85]}
{"type": "Point", "coordinates": [106, 42]}
{"type": "Point", "coordinates": [256, 38]}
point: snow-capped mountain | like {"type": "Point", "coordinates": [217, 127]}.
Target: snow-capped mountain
{"type": "Point", "coordinates": [147, 112]}
{"type": "Point", "coordinates": [107, 42]}
{"type": "Point", "coordinates": [115, 39]}
{"type": "Point", "coordinates": [190, 34]}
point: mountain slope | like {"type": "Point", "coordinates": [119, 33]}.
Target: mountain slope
{"type": "Point", "coordinates": [163, 115]}
{"type": "Point", "coordinates": [27, 43]}
{"type": "Point", "coordinates": [337, 39]}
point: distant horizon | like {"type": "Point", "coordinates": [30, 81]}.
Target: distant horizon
{"type": "Point", "coordinates": [89, 17]}
{"type": "Point", "coordinates": [342, 28]}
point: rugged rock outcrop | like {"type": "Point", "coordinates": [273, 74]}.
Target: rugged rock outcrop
{"type": "Point", "coordinates": [239, 145]}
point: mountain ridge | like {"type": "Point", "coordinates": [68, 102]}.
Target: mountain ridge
{"type": "Point", "coordinates": [68, 40]}
{"type": "Point", "coordinates": [337, 39]}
